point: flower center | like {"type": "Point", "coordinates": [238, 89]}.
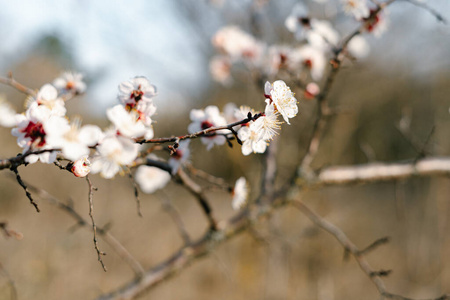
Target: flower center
{"type": "Point", "coordinates": [35, 131]}
{"type": "Point", "coordinates": [304, 21]}
{"type": "Point", "coordinates": [137, 94]}
{"type": "Point", "coordinates": [206, 125]}
{"type": "Point", "coordinates": [70, 85]}
{"type": "Point", "coordinates": [308, 63]}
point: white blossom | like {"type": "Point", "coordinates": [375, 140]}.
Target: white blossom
{"type": "Point", "coordinates": [32, 132]}
{"type": "Point", "coordinates": [298, 22]}
{"type": "Point", "coordinates": [322, 35]}
{"type": "Point", "coordinates": [251, 140]}
{"type": "Point", "coordinates": [48, 97]}
{"type": "Point", "coordinates": [231, 40]}
{"type": "Point", "coordinates": [70, 82]}
{"type": "Point", "coordinates": [113, 153]}
{"type": "Point", "coordinates": [72, 139]}
{"type": "Point", "coordinates": [81, 167]}
{"type": "Point", "coordinates": [220, 67]}
{"type": "Point", "coordinates": [151, 179]}
{"type": "Point", "coordinates": [357, 8]}
{"type": "Point", "coordinates": [358, 47]}
{"type": "Point", "coordinates": [282, 98]}
{"type": "Point", "coordinates": [376, 23]}
{"type": "Point", "coordinates": [128, 123]}
{"type": "Point", "coordinates": [8, 116]}
{"type": "Point", "coordinates": [313, 59]}
{"type": "Point", "coordinates": [240, 194]}
{"type": "Point", "coordinates": [207, 118]}
{"type": "Point", "coordinates": [138, 93]}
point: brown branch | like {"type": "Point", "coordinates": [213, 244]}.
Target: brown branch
{"type": "Point", "coordinates": [203, 133]}
{"type": "Point", "coordinates": [24, 186]}
{"type": "Point", "coordinates": [18, 86]}
{"type": "Point", "coordinates": [176, 217]}
{"type": "Point", "coordinates": [197, 191]}
{"type": "Point", "coordinates": [350, 247]}
{"type": "Point", "coordinates": [20, 159]}
{"type": "Point", "coordinates": [123, 253]}
{"type": "Point", "coordinates": [10, 232]}
{"type": "Point", "coordinates": [94, 226]}
{"type": "Point", "coordinates": [136, 193]}
{"type": "Point", "coordinates": [341, 175]}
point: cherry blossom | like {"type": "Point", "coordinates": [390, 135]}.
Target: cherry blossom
{"type": "Point", "coordinates": [376, 22]}
{"type": "Point", "coordinates": [128, 123]}
{"type": "Point", "coordinates": [48, 96]}
{"type": "Point", "coordinates": [313, 59]}
{"type": "Point", "coordinates": [232, 41]}
{"type": "Point", "coordinates": [358, 47]}
{"type": "Point", "coordinates": [31, 132]}
{"type": "Point", "coordinates": [220, 67]}
{"type": "Point", "coordinates": [282, 98]}
{"type": "Point", "coordinates": [179, 157]}
{"type": "Point", "coordinates": [81, 167]}
{"type": "Point", "coordinates": [251, 140]}
{"type": "Point", "coordinates": [151, 179]}
{"type": "Point", "coordinates": [8, 116]}
{"type": "Point", "coordinates": [72, 139]}
{"type": "Point", "coordinates": [138, 93]}
{"type": "Point", "coordinates": [240, 194]}
{"type": "Point", "coordinates": [113, 153]}
{"type": "Point", "coordinates": [70, 82]}
{"type": "Point", "coordinates": [207, 118]}
{"type": "Point", "coordinates": [298, 22]}
{"type": "Point", "coordinates": [357, 8]}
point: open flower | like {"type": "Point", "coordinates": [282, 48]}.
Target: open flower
{"type": "Point", "coordinates": [179, 157]}
{"type": "Point", "coordinates": [33, 130]}
{"type": "Point", "coordinates": [310, 58]}
{"type": "Point", "coordinates": [151, 179]}
{"type": "Point", "coordinates": [138, 93]}
{"type": "Point", "coordinates": [70, 82]}
{"type": "Point", "coordinates": [251, 140]}
{"type": "Point", "coordinates": [8, 116]}
{"type": "Point", "coordinates": [376, 22]}
{"type": "Point", "coordinates": [72, 139]}
{"type": "Point", "coordinates": [48, 96]}
{"type": "Point", "coordinates": [113, 153]}
{"type": "Point", "coordinates": [128, 123]}
{"type": "Point", "coordinates": [282, 98]}
{"type": "Point", "coordinates": [240, 194]}
{"type": "Point", "coordinates": [207, 118]}
{"type": "Point", "coordinates": [358, 8]}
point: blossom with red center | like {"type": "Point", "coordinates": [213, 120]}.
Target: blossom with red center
{"type": "Point", "coordinates": [207, 118]}
{"type": "Point", "coordinates": [34, 131]}
{"type": "Point", "coordinates": [376, 22]}
{"type": "Point", "coordinates": [137, 93]}
{"type": "Point", "coordinates": [313, 59]}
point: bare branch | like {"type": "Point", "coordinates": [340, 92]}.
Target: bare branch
{"type": "Point", "coordinates": [18, 86]}
{"type": "Point", "coordinates": [104, 233]}
{"type": "Point", "coordinates": [350, 247]}
{"type": "Point", "coordinates": [176, 217]}
{"type": "Point", "coordinates": [94, 226]}
{"type": "Point", "coordinates": [197, 191]}
{"type": "Point", "coordinates": [136, 193]}
{"type": "Point", "coordinates": [23, 185]}
{"type": "Point", "coordinates": [383, 172]}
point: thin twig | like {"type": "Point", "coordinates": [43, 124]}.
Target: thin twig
{"type": "Point", "coordinates": [350, 247]}
{"type": "Point", "coordinates": [102, 231]}
{"type": "Point", "coordinates": [203, 133]}
{"type": "Point", "coordinates": [176, 217]}
{"type": "Point", "coordinates": [23, 185]}
{"type": "Point", "coordinates": [431, 10]}
{"type": "Point", "coordinates": [18, 86]}
{"type": "Point", "coordinates": [197, 191]}
{"type": "Point", "coordinates": [94, 227]}
{"type": "Point", "coordinates": [136, 193]}
{"type": "Point", "coordinates": [10, 232]}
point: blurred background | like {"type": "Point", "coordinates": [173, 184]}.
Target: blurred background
{"type": "Point", "coordinates": [406, 74]}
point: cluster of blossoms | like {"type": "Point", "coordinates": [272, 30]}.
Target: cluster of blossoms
{"type": "Point", "coordinates": [317, 41]}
